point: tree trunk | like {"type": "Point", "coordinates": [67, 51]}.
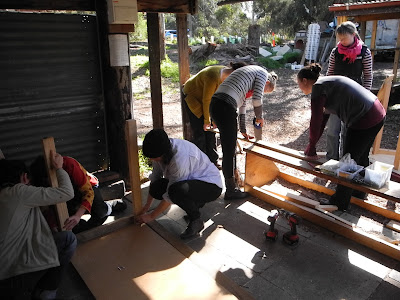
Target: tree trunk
{"type": "Point", "coordinates": [254, 37]}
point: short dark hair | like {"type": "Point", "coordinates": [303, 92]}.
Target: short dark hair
{"type": "Point", "coordinates": [11, 171]}
{"type": "Point", "coordinates": [38, 172]}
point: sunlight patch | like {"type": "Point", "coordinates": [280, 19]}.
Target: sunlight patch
{"type": "Point", "coordinates": [255, 211]}
{"type": "Point", "coordinates": [367, 264]}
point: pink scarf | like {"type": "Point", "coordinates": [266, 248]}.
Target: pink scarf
{"type": "Point", "coordinates": [351, 51]}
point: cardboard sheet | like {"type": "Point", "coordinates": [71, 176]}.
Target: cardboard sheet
{"type": "Point", "coordinates": [137, 263]}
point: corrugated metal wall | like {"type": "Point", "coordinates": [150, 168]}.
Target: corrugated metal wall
{"type": "Point", "coordinates": [50, 85]}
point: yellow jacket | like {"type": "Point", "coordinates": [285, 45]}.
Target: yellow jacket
{"type": "Point", "coordinates": [200, 88]}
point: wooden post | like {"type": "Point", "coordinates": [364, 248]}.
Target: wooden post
{"type": "Point", "coordinates": [184, 72]}
{"type": "Point", "coordinates": [153, 32]}
{"type": "Point", "coordinates": [363, 29]}
{"type": "Point", "coordinates": [373, 37]}
{"type": "Point", "coordinates": [61, 208]}
{"type": "Point", "coordinates": [162, 37]}
{"type": "Point", "coordinates": [133, 162]}
{"type": "Point", "coordinates": [396, 55]}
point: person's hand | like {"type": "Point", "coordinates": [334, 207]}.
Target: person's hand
{"type": "Point", "coordinates": [71, 222]}
{"type": "Point", "coordinates": [207, 127]}
{"type": "Point", "coordinates": [56, 160]}
{"type": "Point", "coordinates": [145, 218]}
{"type": "Point", "coordinates": [260, 121]}
{"type": "Point", "coordinates": [247, 136]}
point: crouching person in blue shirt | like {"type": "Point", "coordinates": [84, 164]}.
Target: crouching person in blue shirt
{"type": "Point", "coordinates": [183, 175]}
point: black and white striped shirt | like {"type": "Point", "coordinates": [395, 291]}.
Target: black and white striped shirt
{"type": "Point", "coordinates": [242, 80]}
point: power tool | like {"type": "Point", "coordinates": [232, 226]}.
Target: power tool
{"type": "Point", "coordinates": [272, 233]}
{"type": "Point", "coordinates": [291, 236]}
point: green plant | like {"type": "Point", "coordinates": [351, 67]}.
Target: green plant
{"type": "Point", "coordinates": [170, 69]}
{"type": "Point", "coordinates": [208, 62]}
{"type": "Point", "coordinates": [291, 57]}
{"type": "Point", "coordinates": [269, 63]}
{"type": "Point", "coordinates": [144, 165]}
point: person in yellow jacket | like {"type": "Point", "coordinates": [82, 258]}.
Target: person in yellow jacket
{"type": "Point", "coordinates": [198, 91]}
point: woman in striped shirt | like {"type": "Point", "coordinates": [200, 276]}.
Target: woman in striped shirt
{"type": "Point", "coordinates": [229, 97]}
{"type": "Point", "coordinates": [351, 58]}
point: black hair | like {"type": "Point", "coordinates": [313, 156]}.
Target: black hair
{"type": "Point", "coordinates": [11, 171]}
{"type": "Point", "coordinates": [310, 72]}
{"type": "Point", "coordinates": [237, 65]}
{"type": "Point", "coordinates": [38, 172]}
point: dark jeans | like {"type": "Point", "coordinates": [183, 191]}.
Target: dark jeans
{"type": "Point", "coordinates": [225, 117]}
{"type": "Point", "coordinates": [204, 140]}
{"type": "Point", "coordinates": [190, 195]}
{"type": "Point", "coordinates": [358, 143]}
{"type": "Point", "coordinates": [22, 286]}
{"type": "Point", "coordinates": [99, 210]}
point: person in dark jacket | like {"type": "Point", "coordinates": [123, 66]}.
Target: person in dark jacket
{"type": "Point", "coordinates": [358, 108]}
{"type": "Point", "coordinates": [350, 58]}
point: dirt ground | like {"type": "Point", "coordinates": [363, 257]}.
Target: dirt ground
{"type": "Point", "coordinates": [286, 113]}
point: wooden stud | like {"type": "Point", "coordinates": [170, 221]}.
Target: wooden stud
{"type": "Point", "coordinates": [328, 207]}
{"type": "Point", "coordinates": [184, 71]}
{"type": "Point", "coordinates": [368, 205]}
{"type": "Point", "coordinates": [382, 245]}
{"type": "Point", "coordinates": [61, 208]}
{"type": "Point", "coordinates": [383, 96]}
{"type": "Point", "coordinates": [373, 37]}
{"type": "Point", "coordinates": [133, 162]}
{"type": "Point", "coordinates": [396, 55]}
{"type": "Point", "coordinates": [393, 225]}
{"type": "Point", "coordinates": [153, 32]}
{"type": "Point", "coordinates": [288, 195]}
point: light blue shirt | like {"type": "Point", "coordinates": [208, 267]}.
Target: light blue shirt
{"type": "Point", "coordinates": [188, 163]}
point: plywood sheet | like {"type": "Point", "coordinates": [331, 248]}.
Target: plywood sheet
{"type": "Point", "coordinates": [136, 263]}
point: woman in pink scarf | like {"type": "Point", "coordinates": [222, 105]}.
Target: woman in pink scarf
{"type": "Point", "coordinates": [350, 58]}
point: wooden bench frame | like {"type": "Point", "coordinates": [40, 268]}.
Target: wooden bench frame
{"type": "Point", "coordinates": [261, 168]}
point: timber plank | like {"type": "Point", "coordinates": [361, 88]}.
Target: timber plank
{"type": "Point", "coordinates": [393, 225]}
{"type": "Point", "coordinates": [386, 247]}
{"type": "Point", "coordinates": [390, 191]}
{"type": "Point", "coordinates": [386, 212]}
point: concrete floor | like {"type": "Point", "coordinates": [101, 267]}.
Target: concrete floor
{"type": "Point", "coordinates": [323, 265]}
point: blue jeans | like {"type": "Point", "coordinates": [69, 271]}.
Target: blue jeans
{"type": "Point", "coordinates": [335, 137]}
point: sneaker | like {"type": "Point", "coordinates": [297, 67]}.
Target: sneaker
{"type": "Point", "coordinates": [193, 229]}
{"type": "Point", "coordinates": [235, 194]}
{"type": "Point", "coordinates": [117, 205]}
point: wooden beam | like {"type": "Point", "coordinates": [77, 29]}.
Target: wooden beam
{"type": "Point", "coordinates": [168, 6]}
{"type": "Point", "coordinates": [368, 205]}
{"type": "Point", "coordinates": [373, 37]}
{"type": "Point", "coordinates": [397, 55]}
{"type": "Point", "coordinates": [289, 195]}
{"type": "Point", "coordinates": [322, 219]}
{"type": "Point", "coordinates": [134, 167]}
{"type": "Point", "coordinates": [153, 32]}
{"type": "Point", "coordinates": [381, 16]}
{"type": "Point", "coordinates": [391, 191]}
{"type": "Point", "coordinates": [121, 28]}
{"type": "Point", "coordinates": [184, 71]}
{"type": "Point", "coordinates": [61, 208]}
{"type": "Point", "coordinates": [259, 171]}
{"type": "Point", "coordinates": [383, 96]}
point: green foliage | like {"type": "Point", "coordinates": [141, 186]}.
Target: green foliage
{"type": "Point", "coordinates": [140, 33]}
{"type": "Point", "coordinates": [170, 69]}
{"type": "Point", "coordinates": [269, 63]}
{"type": "Point", "coordinates": [208, 62]}
{"type": "Point", "coordinates": [289, 16]}
{"type": "Point", "coordinates": [144, 165]}
{"type": "Point", "coordinates": [291, 57]}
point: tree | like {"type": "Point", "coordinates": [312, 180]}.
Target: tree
{"type": "Point", "coordinates": [289, 16]}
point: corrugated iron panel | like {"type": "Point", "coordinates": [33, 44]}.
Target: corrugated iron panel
{"type": "Point", "coordinates": [50, 85]}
